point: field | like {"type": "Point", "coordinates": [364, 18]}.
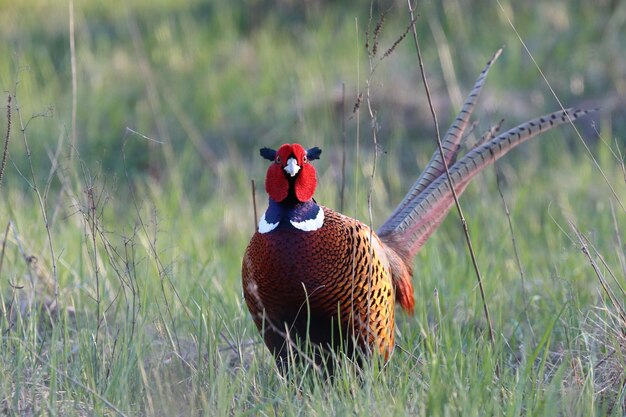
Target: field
{"type": "Point", "coordinates": [132, 136]}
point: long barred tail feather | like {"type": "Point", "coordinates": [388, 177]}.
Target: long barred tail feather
{"type": "Point", "coordinates": [451, 144]}
{"type": "Point", "coordinates": [419, 218]}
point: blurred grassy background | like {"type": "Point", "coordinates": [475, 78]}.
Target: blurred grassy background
{"type": "Point", "coordinates": [208, 83]}
{"type": "Point", "coordinates": [213, 78]}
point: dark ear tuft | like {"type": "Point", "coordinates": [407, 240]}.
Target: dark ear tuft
{"type": "Point", "coordinates": [268, 153]}
{"type": "Point", "coordinates": [313, 153]}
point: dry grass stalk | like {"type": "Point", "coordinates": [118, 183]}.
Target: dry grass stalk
{"type": "Point", "coordinates": [5, 152]}
{"type": "Point", "coordinates": [451, 185]}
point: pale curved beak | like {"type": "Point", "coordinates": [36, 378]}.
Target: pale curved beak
{"type": "Point", "coordinates": [292, 167]}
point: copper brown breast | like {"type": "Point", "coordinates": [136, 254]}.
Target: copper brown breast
{"type": "Point", "coordinates": [332, 285]}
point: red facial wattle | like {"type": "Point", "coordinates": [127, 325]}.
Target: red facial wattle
{"type": "Point", "coordinates": [306, 183]}
{"type": "Point", "coordinates": [277, 182]}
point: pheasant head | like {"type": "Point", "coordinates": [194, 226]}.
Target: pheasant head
{"type": "Point", "coordinates": [291, 173]}
{"type": "Point", "coordinates": [290, 183]}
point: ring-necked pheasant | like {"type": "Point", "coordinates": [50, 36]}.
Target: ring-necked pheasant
{"type": "Point", "coordinates": [310, 273]}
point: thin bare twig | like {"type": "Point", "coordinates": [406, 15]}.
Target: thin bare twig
{"type": "Point", "coordinates": [92, 224]}
{"type": "Point", "coordinates": [374, 129]}
{"type": "Point", "coordinates": [5, 152]}
{"type": "Point", "coordinates": [398, 40]}
{"type": "Point", "coordinates": [377, 29]}
{"type": "Point", "coordinates": [357, 114]}
{"type": "Point", "coordinates": [620, 246]}
{"type": "Point", "coordinates": [342, 187]}
{"type": "Point", "coordinates": [450, 184]}
{"type": "Point", "coordinates": [74, 82]}
{"type": "Point", "coordinates": [621, 159]}
{"type": "Point", "coordinates": [514, 243]}
{"type": "Point", "coordinates": [42, 200]}
{"type": "Point", "coordinates": [4, 243]}
{"type": "Point", "coordinates": [256, 217]}
{"type": "Point", "coordinates": [486, 137]}
{"type": "Point", "coordinates": [3, 308]}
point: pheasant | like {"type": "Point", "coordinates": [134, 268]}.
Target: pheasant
{"type": "Point", "coordinates": [311, 274]}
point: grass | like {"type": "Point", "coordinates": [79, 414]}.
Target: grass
{"type": "Point", "coordinates": [130, 302]}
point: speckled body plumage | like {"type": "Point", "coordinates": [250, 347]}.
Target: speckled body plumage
{"type": "Point", "coordinates": [333, 285]}
{"type": "Point", "coordinates": [311, 274]}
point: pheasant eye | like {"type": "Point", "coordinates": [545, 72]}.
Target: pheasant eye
{"type": "Point", "coordinates": [304, 159]}
{"type": "Point", "coordinates": [278, 159]}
